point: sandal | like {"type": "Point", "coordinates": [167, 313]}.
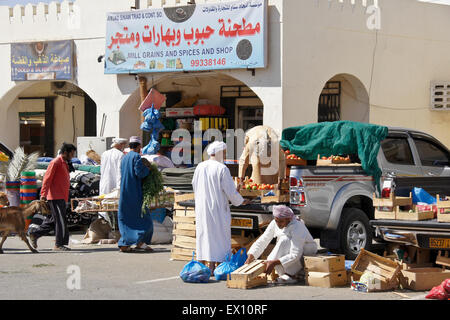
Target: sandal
{"type": "Point", "coordinates": [62, 248]}
{"type": "Point", "coordinates": [144, 248]}
{"type": "Point", "coordinates": [126, 249]}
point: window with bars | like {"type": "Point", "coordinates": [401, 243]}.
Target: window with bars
{"type": "Point", "coordinates": [330, 102]}
{"type": "Point", "coordinates": [440, 95]}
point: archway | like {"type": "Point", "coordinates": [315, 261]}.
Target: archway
{"type": "Point", "coordinates": [243, 107]}
{"type": "Point", "coordinates": [344, 97]}
{"type": "Point", "coordinates": [42, 115]}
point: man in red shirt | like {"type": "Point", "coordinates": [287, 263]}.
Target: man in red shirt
{"type": "Point", "coordinates": [55, 189]}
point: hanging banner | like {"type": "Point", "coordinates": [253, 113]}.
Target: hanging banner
{"type": "Point", "coordinates": [224, 35]}
{"type": "Point", "coordinates": [50, 60]}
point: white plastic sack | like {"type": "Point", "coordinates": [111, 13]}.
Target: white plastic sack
{"type": "Point", "coordinates": [162, 232]}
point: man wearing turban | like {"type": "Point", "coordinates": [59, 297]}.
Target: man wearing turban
{"type": "Point", "coordinates": [214, 188]}
{"type": "Point", "coordinates": [293, 241]}
{"type": "Point", "coordinates": [135, 228]}
{"type": "Point", "coordinates": [110, 169]}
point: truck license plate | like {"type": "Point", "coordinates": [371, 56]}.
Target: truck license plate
{"type": "Point", "coordinates": [439, 243]}
{"type": "Point", "coordinates": [246, 223]}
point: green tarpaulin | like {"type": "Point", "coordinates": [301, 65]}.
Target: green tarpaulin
{"type": "Point", "coordinates": [337, 138]}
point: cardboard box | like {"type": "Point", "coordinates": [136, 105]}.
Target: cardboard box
{"type": "Point", "coordinates": [423, 279]}
{"type": "Point", "coordinates": [326, 279]}
{"type": "Point", "coordinates": [328, 263]}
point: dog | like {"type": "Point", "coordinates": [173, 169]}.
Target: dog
{"type": "Point", "coordinates": [12, 219]}
{"type": "Point", "coordinates": [4, 202]}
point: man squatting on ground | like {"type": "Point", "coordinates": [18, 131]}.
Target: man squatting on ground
{"type": "Point", "coordinates": [293, 241]}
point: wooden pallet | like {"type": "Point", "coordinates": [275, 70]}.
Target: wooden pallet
{"type": "Point", "coordinates": [248, 276]}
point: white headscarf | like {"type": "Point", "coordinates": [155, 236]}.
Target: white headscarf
{"type": "Point", "coordinates": [117, 141]}
{"type": "Point", "coordinates": [215, 147]}
{"type": "Point", "coordinates": [135, 139]}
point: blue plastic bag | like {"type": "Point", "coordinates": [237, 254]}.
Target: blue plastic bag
{"type": "Point", "coordinates": [195, 272]}
{"type": "Point", "coordinates": [239, 257]}
{"type": "Point", "coordinates": [225, 268]}
{"type": "Point", "coordinates": [420, 195]}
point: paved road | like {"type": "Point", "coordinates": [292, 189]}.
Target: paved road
{"type": "Point", "coordinates": [109, 274]}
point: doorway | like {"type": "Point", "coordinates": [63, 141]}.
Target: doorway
{"type": "Point", "coordinates": [32, 131]}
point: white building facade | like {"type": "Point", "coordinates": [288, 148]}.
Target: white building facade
{"type": "Point", "coordinates": [369, 61]}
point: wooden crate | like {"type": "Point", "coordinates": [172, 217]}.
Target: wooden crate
{"type": "Point", "coordinates": [181, 254]}
{"type": "Point", "coordinates": [443, 259]}
{"type": "Point", "coordinates": [443, 206]}
{"type": "Point", "coordinates": [184, 212]}
{"type": "Point", "coordinates": [248, 276]}
{"type": "Point", "coordinates": [322, 162]}
{"type": "Point", "coordinates": [279, 197]}
{"type": "Point", "coordinates": [183, 245]}
{"type": "Point", "coordinates": [392, 201]}
{"type": "Point", "coordinates": [443, 217]}
{"type": "Point", "coordinates": [252, 193]}
{"type": "Point", "coordinates": [185, 226]}
{"type": "Point", "coordinates": [385, 270]}
{"type": "Point", "coordinates": [414, 216]}
{"type": "Point", "coordinates": [179, 197]}
{"type": "Point", "coordinates": [184, 219]}
{"type": "Point", "coordinates": [184, 230]}
{"type": "Point", "coordinates": [385, 215]}
{"type": "Point", "coordinates": [296, 162]}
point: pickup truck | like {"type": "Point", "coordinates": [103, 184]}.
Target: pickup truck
{"type": "Point", "coordinates": [336, 201]}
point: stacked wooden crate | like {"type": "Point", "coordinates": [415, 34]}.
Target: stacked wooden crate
{"type": "Point", "coordinates": [443, 208]}
{"type": "Point", "coordinates": [386, 208]}
{"type": "Point", "coordinates": [391, 208]}
{"type": "Point", "coordinates": [184, 241]}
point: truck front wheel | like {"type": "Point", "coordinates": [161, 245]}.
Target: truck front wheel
{"type": "Point", "coordinates": [355, 232]}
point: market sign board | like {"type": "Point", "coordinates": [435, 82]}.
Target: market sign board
{"type": "Point", "coordinates": [222, 35]}
{"type": "Point", "coordinates": [50, 60]}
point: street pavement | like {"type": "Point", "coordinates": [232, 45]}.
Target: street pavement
{"type": "Point", "coordinates": [106, 273]}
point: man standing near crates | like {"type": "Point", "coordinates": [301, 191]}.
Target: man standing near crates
{"type": "Point", "coordinates": [55, 190]}
{"type": "Point", "coordinates": [214, 187]}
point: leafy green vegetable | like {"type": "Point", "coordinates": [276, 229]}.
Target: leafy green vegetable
{"type": "Point", "coordinates": [152, 185]}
